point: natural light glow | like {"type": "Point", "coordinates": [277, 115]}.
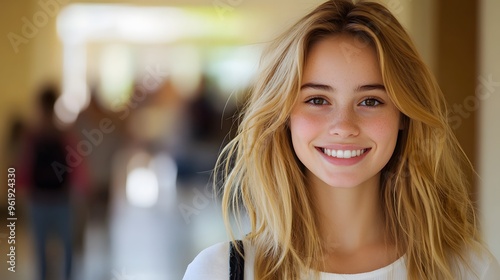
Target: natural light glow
{"type": "Point", "coordinates": [186, 73]}
{"type": "Point", "coordinates": [64, 113]}
{"type": "Point", "coordinates": [166, 170]}
{"type": "Point", "coordinates": [116, 75]}
{"type": "Point", "coordinates": [84, 28]}
{"type": "Point", "coordinates": [234, 68]}
{"type": "Point", "coordinates": [75, 96]}
{"type": "Point", "coordinates": [89, 22]}
{"type": "Point", "coordinates": [142, 188]}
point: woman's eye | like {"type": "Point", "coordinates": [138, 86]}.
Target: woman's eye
{"type": "Point", "coordinates": [317, 101]}
{"type": "Point", "coordinates": [370, 102]}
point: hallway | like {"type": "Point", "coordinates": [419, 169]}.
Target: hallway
{"type": "Point", "coordinates": [134, 243]}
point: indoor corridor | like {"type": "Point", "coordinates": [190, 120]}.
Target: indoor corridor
{"type": "Point", "coordinates": [132, 243]}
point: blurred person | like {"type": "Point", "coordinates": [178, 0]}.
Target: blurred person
{"type": "Point", "coordinates": [202, 134]}
{"type": "Point", "coordinates": [15, 135]}
{"type": "Point", "coordinates": [47, 178]}
{"type": "Point", "coordinates": [105, 131]}
{"type": "Point", "coordinates": [345, 162]}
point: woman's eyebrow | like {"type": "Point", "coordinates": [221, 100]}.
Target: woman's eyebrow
{"type": "Point", "coordinates": [371, 87]}
{"type": "Point", "coordinates": [323, 87]}
{"type": "Point", "coordinates": [316, 87]}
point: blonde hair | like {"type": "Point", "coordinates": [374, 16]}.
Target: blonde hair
{"type": "Point", "coordinates": [428, 211]}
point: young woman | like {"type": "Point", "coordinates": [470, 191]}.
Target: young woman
{"type": "Point", "coordinates": [345, 162]}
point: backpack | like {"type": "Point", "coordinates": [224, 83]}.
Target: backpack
{"type": "Point", "coordinates": [49, 150]}
{"type": "Point", "coordinates": [236, 261]}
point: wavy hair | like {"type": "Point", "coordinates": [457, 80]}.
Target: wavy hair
{"type": "Point", "coordinates": [424, 188]}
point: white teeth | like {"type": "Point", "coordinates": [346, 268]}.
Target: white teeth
{"type": "Point", "coordinates": [344, 153]}
{"type": "Point", "coordinates": [340, 154]}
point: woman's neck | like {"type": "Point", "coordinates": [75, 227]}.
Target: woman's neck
{"type": "Point", "coordinates": [352, 227]}
{"type": "Point", "coordinates": [348, 217]}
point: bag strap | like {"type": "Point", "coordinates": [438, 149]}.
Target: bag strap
{"type": "Point", "coordinates": [236, 261]}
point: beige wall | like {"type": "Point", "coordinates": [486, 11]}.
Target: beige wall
{"type": "Point", "coordinates": [460, 43]}
{"type": "Point", "coordinates": [489, 128]}
{"type": "Point", "coordinates": [30, 56]}
{"type": "Point", "coordinates": [456, 68]}
{"type": "Point", "coordinates": [15, 70]}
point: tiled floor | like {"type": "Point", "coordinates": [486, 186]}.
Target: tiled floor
{"type": "Point", "coordinates": [135, 243]}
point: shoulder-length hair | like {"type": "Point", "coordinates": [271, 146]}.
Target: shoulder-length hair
{"type": "Point", "coordinates": [423, 188]}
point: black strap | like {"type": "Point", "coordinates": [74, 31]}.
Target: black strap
{"type": "Point", "coordinates": [236, 261]}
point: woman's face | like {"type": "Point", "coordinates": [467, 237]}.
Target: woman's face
{"type": "Point", "coordinates": [344, 126]}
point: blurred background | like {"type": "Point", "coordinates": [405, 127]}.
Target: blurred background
{"type": "Point", "coordinates": [147, 92]}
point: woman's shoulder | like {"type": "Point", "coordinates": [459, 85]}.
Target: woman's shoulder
{"type": "Point", "coordinates": [211, 263]}
{"type": "Point", "coordinates": [481, 264]}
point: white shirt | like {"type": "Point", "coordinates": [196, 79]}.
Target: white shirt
{"type": "Point", "coordinates": [213, 264]}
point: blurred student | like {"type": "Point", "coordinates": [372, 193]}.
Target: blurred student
{"type": "Point", "coordinates": [48, 177]}
{"type": "Point", "coordinates": [14, 136]}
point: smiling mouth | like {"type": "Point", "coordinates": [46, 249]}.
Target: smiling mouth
{"type": "Point", "coordinates": [343, 153]}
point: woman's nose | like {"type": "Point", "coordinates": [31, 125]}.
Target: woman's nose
{"type": "Point", "coordinates": [344, 123]}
